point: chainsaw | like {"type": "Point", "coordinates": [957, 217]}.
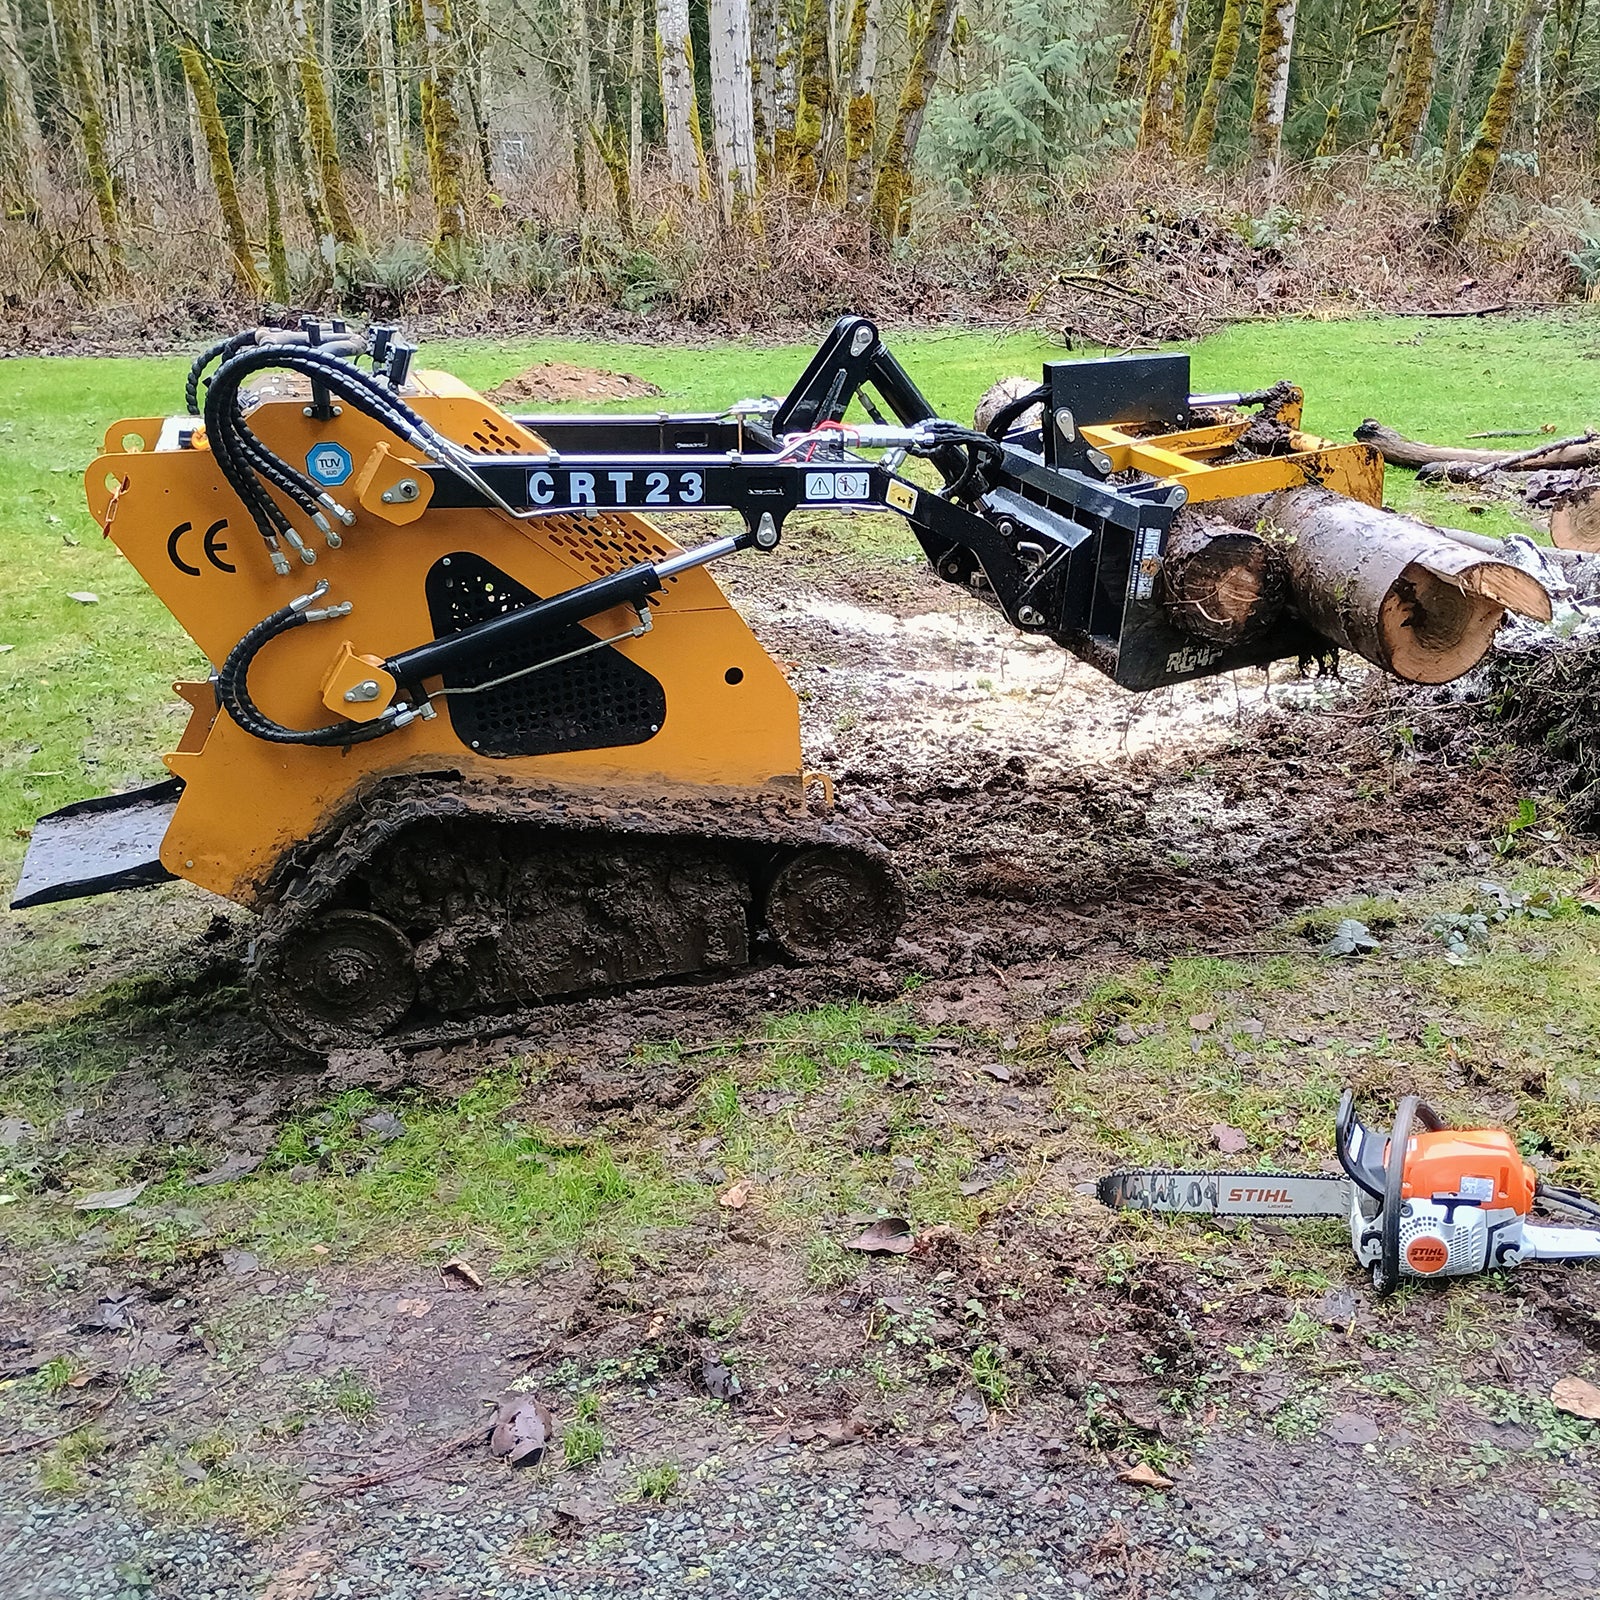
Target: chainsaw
{"type": "Point", "coordinates": [1426, 1201]}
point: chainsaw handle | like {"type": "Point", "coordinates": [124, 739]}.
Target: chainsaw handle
{"type": "Point", "coordinates": [1386, 1274]}
{"type": "Point", "coordinates": [1344, 1131]}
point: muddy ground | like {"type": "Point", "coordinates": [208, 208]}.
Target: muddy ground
{"type": "Point", "coordinates": [275, 1396]}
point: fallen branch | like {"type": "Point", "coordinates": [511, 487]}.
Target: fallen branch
{"type": "Point", "coordinates": [374, 1480]}
{"type": "Point", "coordinates": [50, 1438]}
{"type": "Point", "coordinates": [1399, 451]}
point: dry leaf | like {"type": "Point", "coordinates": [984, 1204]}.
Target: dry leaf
{"type": "Point", "coordinates": [413, 1308]}
{"type": "Point", "coordinates": [1146, 1476]}
{"type": "Point", "coordinates": [521, 1429]}
{"type": "Point", "coordinates": [1577, 1397]}
{"type": "Point", "coordinates": [998, 1070]}
{"type": "Point", "coordinates": [1230, 1141]}
{"type": "Point", "coordinates": [462, 1272]}
{"type": "Point", "coordinates": [735, 1197]}
{"type": "Point", "coordinates": [1203, 1022]}
{"type": "Point", "coordinates": [888, 1236]}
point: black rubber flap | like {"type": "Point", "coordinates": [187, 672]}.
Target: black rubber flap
{"type": "Point", "coordinates": [96, 846]}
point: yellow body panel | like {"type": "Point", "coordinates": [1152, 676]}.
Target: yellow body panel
{"type": "Point", "coordinates": [247, 801]}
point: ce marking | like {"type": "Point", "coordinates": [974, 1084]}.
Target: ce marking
{"type": "Point", "coordinates": [209, 543]}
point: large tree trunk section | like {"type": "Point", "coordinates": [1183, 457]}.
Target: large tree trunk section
{"type": "Point", "coordinates": [1400, 451]}
{"type": "Point", "coordinates": [1405, 596]}
{"type": "Point", "coordinates": [1223, 582]}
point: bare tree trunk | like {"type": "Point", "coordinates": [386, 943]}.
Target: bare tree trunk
{"type": "Point", "coordinates": [1328, 144]}
{"type": "Point", "coordinates": [198, 75]}
{"type": "Point", "coordinates": [890, 215]}
{"type": "Point", "coordinates": [636, 92]}
{"type": "Point", "coordinates": [1472, 182]}
{"type": "Point", "coordinates": [680, 111]}
{"type": "Point", "coordinates": [320, 131]}
{"type": "Point", "coordinates": [19, 95]}
{"type": "Point", "coordinates": [732, 112]}
{"type": "Point", "coordinates": [161, 129]}
{"type": "Point", "coordinates": [385, 158]}
{"type": "Point", "coordinates": [1272, 88]}
{"type": "Point", "coordinates": [1224, 56]}
{"type": "Point", "coordinates": [1460, 88]}
{"type": "Point", "coordinates": [75, 40]}
{"type": "Point", "coordinates": [1161, 120]}
{"type": "Point", "coordinates": [861, 106]}
{"type": "Point", "coordinates": [1394, 77]}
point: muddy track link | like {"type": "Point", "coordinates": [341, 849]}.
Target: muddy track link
{"type": "Point", "coordinates": [443, 909]}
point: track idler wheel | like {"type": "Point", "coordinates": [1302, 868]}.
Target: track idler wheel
{"type": "Point", "coordinates": [339, 981]}
{"type": "Point", "coordinates": [830, 902]}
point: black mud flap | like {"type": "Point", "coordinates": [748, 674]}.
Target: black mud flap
{"type": "Point", "coordinates": [95, 846]}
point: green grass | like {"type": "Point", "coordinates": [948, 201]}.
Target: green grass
{"type": "Point", "coordinates": [85, 687]}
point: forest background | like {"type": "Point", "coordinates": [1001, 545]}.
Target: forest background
{"type": "Point", "coordinates": [1125, 171]}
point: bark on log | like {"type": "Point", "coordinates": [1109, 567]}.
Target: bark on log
{"type": "Point", "coordinates": [1403, 595]}
{"type": "Point", "coordinates": [1223, 582]}
{"type": "Point", "coordinates": [1400, 451]}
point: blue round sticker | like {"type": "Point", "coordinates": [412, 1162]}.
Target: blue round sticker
{"type": "Point", "coordinates": [329, 464]}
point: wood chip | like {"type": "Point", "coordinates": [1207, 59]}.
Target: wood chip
{"type": "Point", "coordinates": [462, 1272]}
{"type": "Point", "coordinates": [1577, 1397]}
{"type": "Point", "coordinates": [1145, 1476]}
{"type": "Point", "coordinates": [1203, 1021]}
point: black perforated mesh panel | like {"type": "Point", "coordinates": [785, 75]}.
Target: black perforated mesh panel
{"type": "Point", "coordinates": [599, 700]}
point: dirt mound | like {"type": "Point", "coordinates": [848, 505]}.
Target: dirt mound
{"type": "Point", "coordinates": [548, 381]}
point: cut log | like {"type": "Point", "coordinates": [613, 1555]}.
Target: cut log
{"type": "Point", "coordinates": [1575, 519]}
{"type": "Point", "coordinates": [1405, 596]}
{"type": "Point", "coordinates": [1400, 451]}
{"type": "Point", "coordinates": [1222, 582]}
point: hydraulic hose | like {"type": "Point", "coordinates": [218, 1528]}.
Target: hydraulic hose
{"type": "Point", "coordinates": [233, 685]}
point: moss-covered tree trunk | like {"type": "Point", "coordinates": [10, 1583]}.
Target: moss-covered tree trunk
{"type": "Point", "coordinates": [889, 217]}
{"type": "Point", "coordinates": [1224, 57]}
{"type": "Point", "coordinates": [441, 123]}
{"type": "Point", "coordinates": [1461, 76]}
{"type": "Point", "coordinates": [786, 87]}
{"type": "Point", "coordinates": [1135, 56]}
{"type": "Point", "coordinates": [764, 81]}
{"type": "Point", "coordinates": [1161, 117]}
{"type": "Point", "coordinates": [1416, 90]}
{"type": "Point", "coordinates": [816, 97]}
{"type": "Point", "coordinates": [861, 106]}
{"type": "Point", "coordinates": [1272, 88]}
{"type": "Point", "coordinates": [320, 131]}
{"type": "Point", "coordinates": [91, 122]}
{"type": "Point", "coordinates": [18, 81]}
{"type": "Point", "coordinates": [1477, 170]}
{"type": "Point", "coordinates": [197, 73]}
{"type": "Point", "coordinates": [272, 195]}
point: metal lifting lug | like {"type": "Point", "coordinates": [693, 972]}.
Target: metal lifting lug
{"type": "Point", "coordinates": [766, 532]}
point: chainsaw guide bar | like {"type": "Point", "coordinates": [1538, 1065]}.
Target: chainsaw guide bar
{"type": "Point", "coordinates": [1226, 1194]}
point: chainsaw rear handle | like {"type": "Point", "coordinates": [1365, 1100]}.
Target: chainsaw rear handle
{"type": "Point", "coordinates": [1383, 1180]}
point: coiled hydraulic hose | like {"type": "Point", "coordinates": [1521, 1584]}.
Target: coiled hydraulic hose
{"type": "Point", "coordinates": [233, 684]}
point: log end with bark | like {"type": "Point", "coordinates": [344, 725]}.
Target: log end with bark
{"type": "Point", "coordinates": [1222, 582]}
